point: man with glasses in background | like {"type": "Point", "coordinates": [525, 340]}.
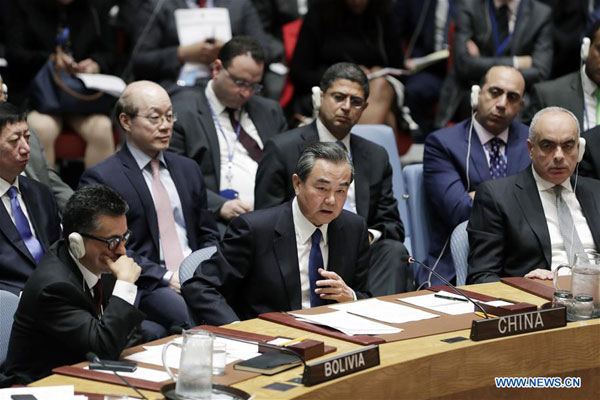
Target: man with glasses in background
{"type": "Point", "coordinates": [80, 298]}
{"type": "Point", "coordinates": [344, 92]}
{"type": "Point", "coordinates": [168, 214]}
{"type": "Point", "coordinates": [224, 126]}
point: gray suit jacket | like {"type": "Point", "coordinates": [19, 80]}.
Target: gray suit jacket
{"type": "Point", "coordinates": [566, 92]}
{"type": "Point", "coordinates": [195, 135]}
{"type": "Point", "coordinates": [532, 36]}
{"type": "Point", "coordinates": [38, 169]}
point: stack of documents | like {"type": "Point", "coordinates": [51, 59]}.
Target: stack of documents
{"type": "Point", "coordinates": [448, 303]}
{"type": "Point", "coordinates": [347, 323]}
{"type": "Point", "coordinates": [384, 311]}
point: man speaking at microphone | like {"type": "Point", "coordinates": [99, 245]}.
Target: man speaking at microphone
{"type": "Point", "coordinates": [528, 224]}
{"type": "Point", "coordinates": [66, 310]}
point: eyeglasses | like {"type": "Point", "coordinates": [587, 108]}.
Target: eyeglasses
{"type": "Point", "coordinates": [244, 84]}
{"type": "Point", "coordinates": [355, 102]}
{"type": "Point", "coordinates": [157, 120]}
{"type": "Point", "coordinates": [113, 242]}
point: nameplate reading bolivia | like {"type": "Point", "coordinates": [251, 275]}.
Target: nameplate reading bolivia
{"type": "Point", "coordinates": [516, 324]}
{"type": "Point", "coordinates": [340, 365]}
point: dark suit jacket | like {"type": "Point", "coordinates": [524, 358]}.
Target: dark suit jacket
{"type": "Point", "coordinates": [57, 323]}
{"type": "Point", "coordinates": [256, 269]}
{"type": "Point", "coordinates": [532, 36]}
{"type": "Point", "coordinates": [375, 200]}
{"type": "Point", "coordinates": [121, 172]}
{"type": "Point", "coordinates": [590, 165]}
{"type": "Point", "coordinates": [38, 168]}
{"type": "Point", "coordinates": [445, 180]}
{"type": "Point", "coordinates": [157, 58]}
{"type": "Point", "coordinates": [508, 233]}
{"type": "Point", "coordinates": [16, 262]}
{"type": "Point", "coordinates": [195, 135]}
{"type": "Point", "coordinates": [565, 92]}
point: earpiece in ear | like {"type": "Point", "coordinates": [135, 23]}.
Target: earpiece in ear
{"type": "Point", "coordinates": [581, 149]}
{"type": "Point", "coordinates": [316, 98]}
{"type": "Point", "coordinates": [475, 90]}
{"type": "Point", "coordinates": [585, 49]}
{"type": "Point", "coordinates": [76, 245]}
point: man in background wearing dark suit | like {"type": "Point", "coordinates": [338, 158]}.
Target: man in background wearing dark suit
{"type": "Point", "coordinates": [344, 93]}
{"type": "Point", "coordinates": [528, 224]}
{"type": "Point", "coordinates": [590, 165]}
{"type": "Point", "coordinates": [168, 214]}
{"type": "Point", "coordinates": [29, 221]}
{"type": "Point", "coordinates": [300, 254]}
{"type": "Point", "coordinates": [224, 126]}
{"type": "Point", "coordinates": [488, 146]}
{"type": "Point", "coordinates": [67, 309]}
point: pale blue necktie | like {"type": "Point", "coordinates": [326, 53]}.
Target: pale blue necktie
{"type": "Point", "coordinates": [22, 224]}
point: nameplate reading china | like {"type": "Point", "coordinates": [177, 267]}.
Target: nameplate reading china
{"type": "Point", "coordinates": [340, 365]}
{"type": "Point", "coordinates": [516, 324]}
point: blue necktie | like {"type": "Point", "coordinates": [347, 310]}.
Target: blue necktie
{"type": "Point", "coordinates": [22, 224]}
{"type": "Point", "coordinates": [497, 160]}
{"type": "Point", "coordinates": [315, 261]}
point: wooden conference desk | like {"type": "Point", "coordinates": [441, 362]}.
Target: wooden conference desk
{"type": "Point", "coordinates": [426, 367]}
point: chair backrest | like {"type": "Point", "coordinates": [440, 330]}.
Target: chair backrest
{"type": "Point", "coordinates": [8, 307]}
{"type": "Point", "coordinates": [191, 262]}
{"type": "Point", "coordinates": [383, 135]}
{"type": "Point", "coordinates": [459, 246]}
{"type": "Point", "coordinates": [418, 213]}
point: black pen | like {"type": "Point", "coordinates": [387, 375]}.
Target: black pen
{"type": "Point", "coordinates": [441, 296]}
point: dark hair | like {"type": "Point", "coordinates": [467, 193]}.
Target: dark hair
{"type": "Point", "coordinates": [87, 204]}
{"type": "Point", "coordinates": [124, 105]}
{"type": "Point", "coordinates": [241, 45]}
{"type": "Point", "coordinates": [327, 151]}
{"type": "Point", "coordinates": [10, 114]}
{"type": "Point", "coordinates": [344, 70]}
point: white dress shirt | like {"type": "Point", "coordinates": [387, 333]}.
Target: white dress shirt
{"type": "Point", "coordinates": [143, 161]}
{"type": "Point", "coordinates": [243, 167]}
{"type": "Point", "coordinates": [590, 101]}
{"type": "Point", "coordinates": [125, 290]}
{"type": "Point", "coordinates": [548, 197]}
{"type": "Point", "coordinates": [327, 137]}
{"type": "Point", "coordinates": [4, 186]}
{"type": "Point", "coordinates": [485, 136]}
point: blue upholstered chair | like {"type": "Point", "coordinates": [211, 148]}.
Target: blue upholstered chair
{"type": "Point", "coordinates": [191, 262]}
{"type": "Point", "coordinates": [8, 307]}
{"type": "Point", "coordinates": [418, 214]}
{"type": "Point", "coordinates": [383, 135]}
{"type": "Point", "coordinates": [459, 246]}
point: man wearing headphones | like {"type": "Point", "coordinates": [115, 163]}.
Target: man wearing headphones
{"type": "Point", "coordinates": [457, 159]}
{"type": "Point", "coordinates": [80, 298]}
{"type": "Point", "coordinates": [529, 223]}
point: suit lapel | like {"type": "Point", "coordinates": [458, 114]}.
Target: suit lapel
{"type": "Point", "coordinates": [515, 158]}
{"type": "Point", "coordinates": [361, 161]}
{"type": "Point", "coordinates": [135, 177]}
{"type": "Point", "coordinates": [520, 29]}
{"type": "Point", "coordinates": [208, 125]}
{"type": "Point", "coordinates": [286, 253]}
{"type": "Point", "coordinates": [337, 241]}
{"type": "Point", "coordinates": [8, 228]}
{"type": "Point", "coordinates": [180, 180]}
{"type": "Point", "coordinates": [576, 99]}
{"type": "Point", "coordinates": [589, 207]}
{"type": "Point", "coordinates": [77, 278]}
{"type": "Point", "coordinates": [477, 158]}
{"type": "Point", "coordinates": [260, 120]}
{"type": "Point", "coordinates": [529, 201]}
{"type": "Point", "coordinates": [35, 217]}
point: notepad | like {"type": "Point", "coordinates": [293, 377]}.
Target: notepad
{"type": "Point", "coordinates": [268, 363]}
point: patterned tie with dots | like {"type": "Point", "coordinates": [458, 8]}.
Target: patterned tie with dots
{"type": "Point", "coordinates": [497, 159]}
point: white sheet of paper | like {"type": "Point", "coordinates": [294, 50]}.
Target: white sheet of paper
{"type": "Point", "coordinates": [349, 324]}
{"type": "Point", "coordinates": [452, 307]}
{"type": "Point", "coordinates": [41, 393]}
{"type": "Point", "coordinates": [110, 84]}
{"type": "Point", "coordinates": [384, 311]}
{"type": "Point", "coordinates": [198, 24]}
{"type": "Point", "coordinates": [146, 374]}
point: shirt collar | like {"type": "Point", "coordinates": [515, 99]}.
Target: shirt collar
{"type": "Point", "coordinates": [513, 5]}
{"type": "Point", "coordinates": [485, 136]}
{"type": "Point", "coordinates": [544, 185]}
{"type": "Point", "coordinates": [303, 227]}
{"type": "Point", "coordinates": [5, 185]}
{"type": "Point", "coordinates": [326, 136]}
{"type": "Point", "coordinates": [589, 86]}
{"type": "Point", "coordinates": [213, 100]}
{"type": "Point", "coordinates": [88, 276]}
{"type": "Point", "coordinates": [142, 159]}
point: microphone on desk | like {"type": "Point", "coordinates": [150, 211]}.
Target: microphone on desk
{"type": "Point", "coordinates": [92, 357]}
{"type": "Point", "coordinates": [410, 259]}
